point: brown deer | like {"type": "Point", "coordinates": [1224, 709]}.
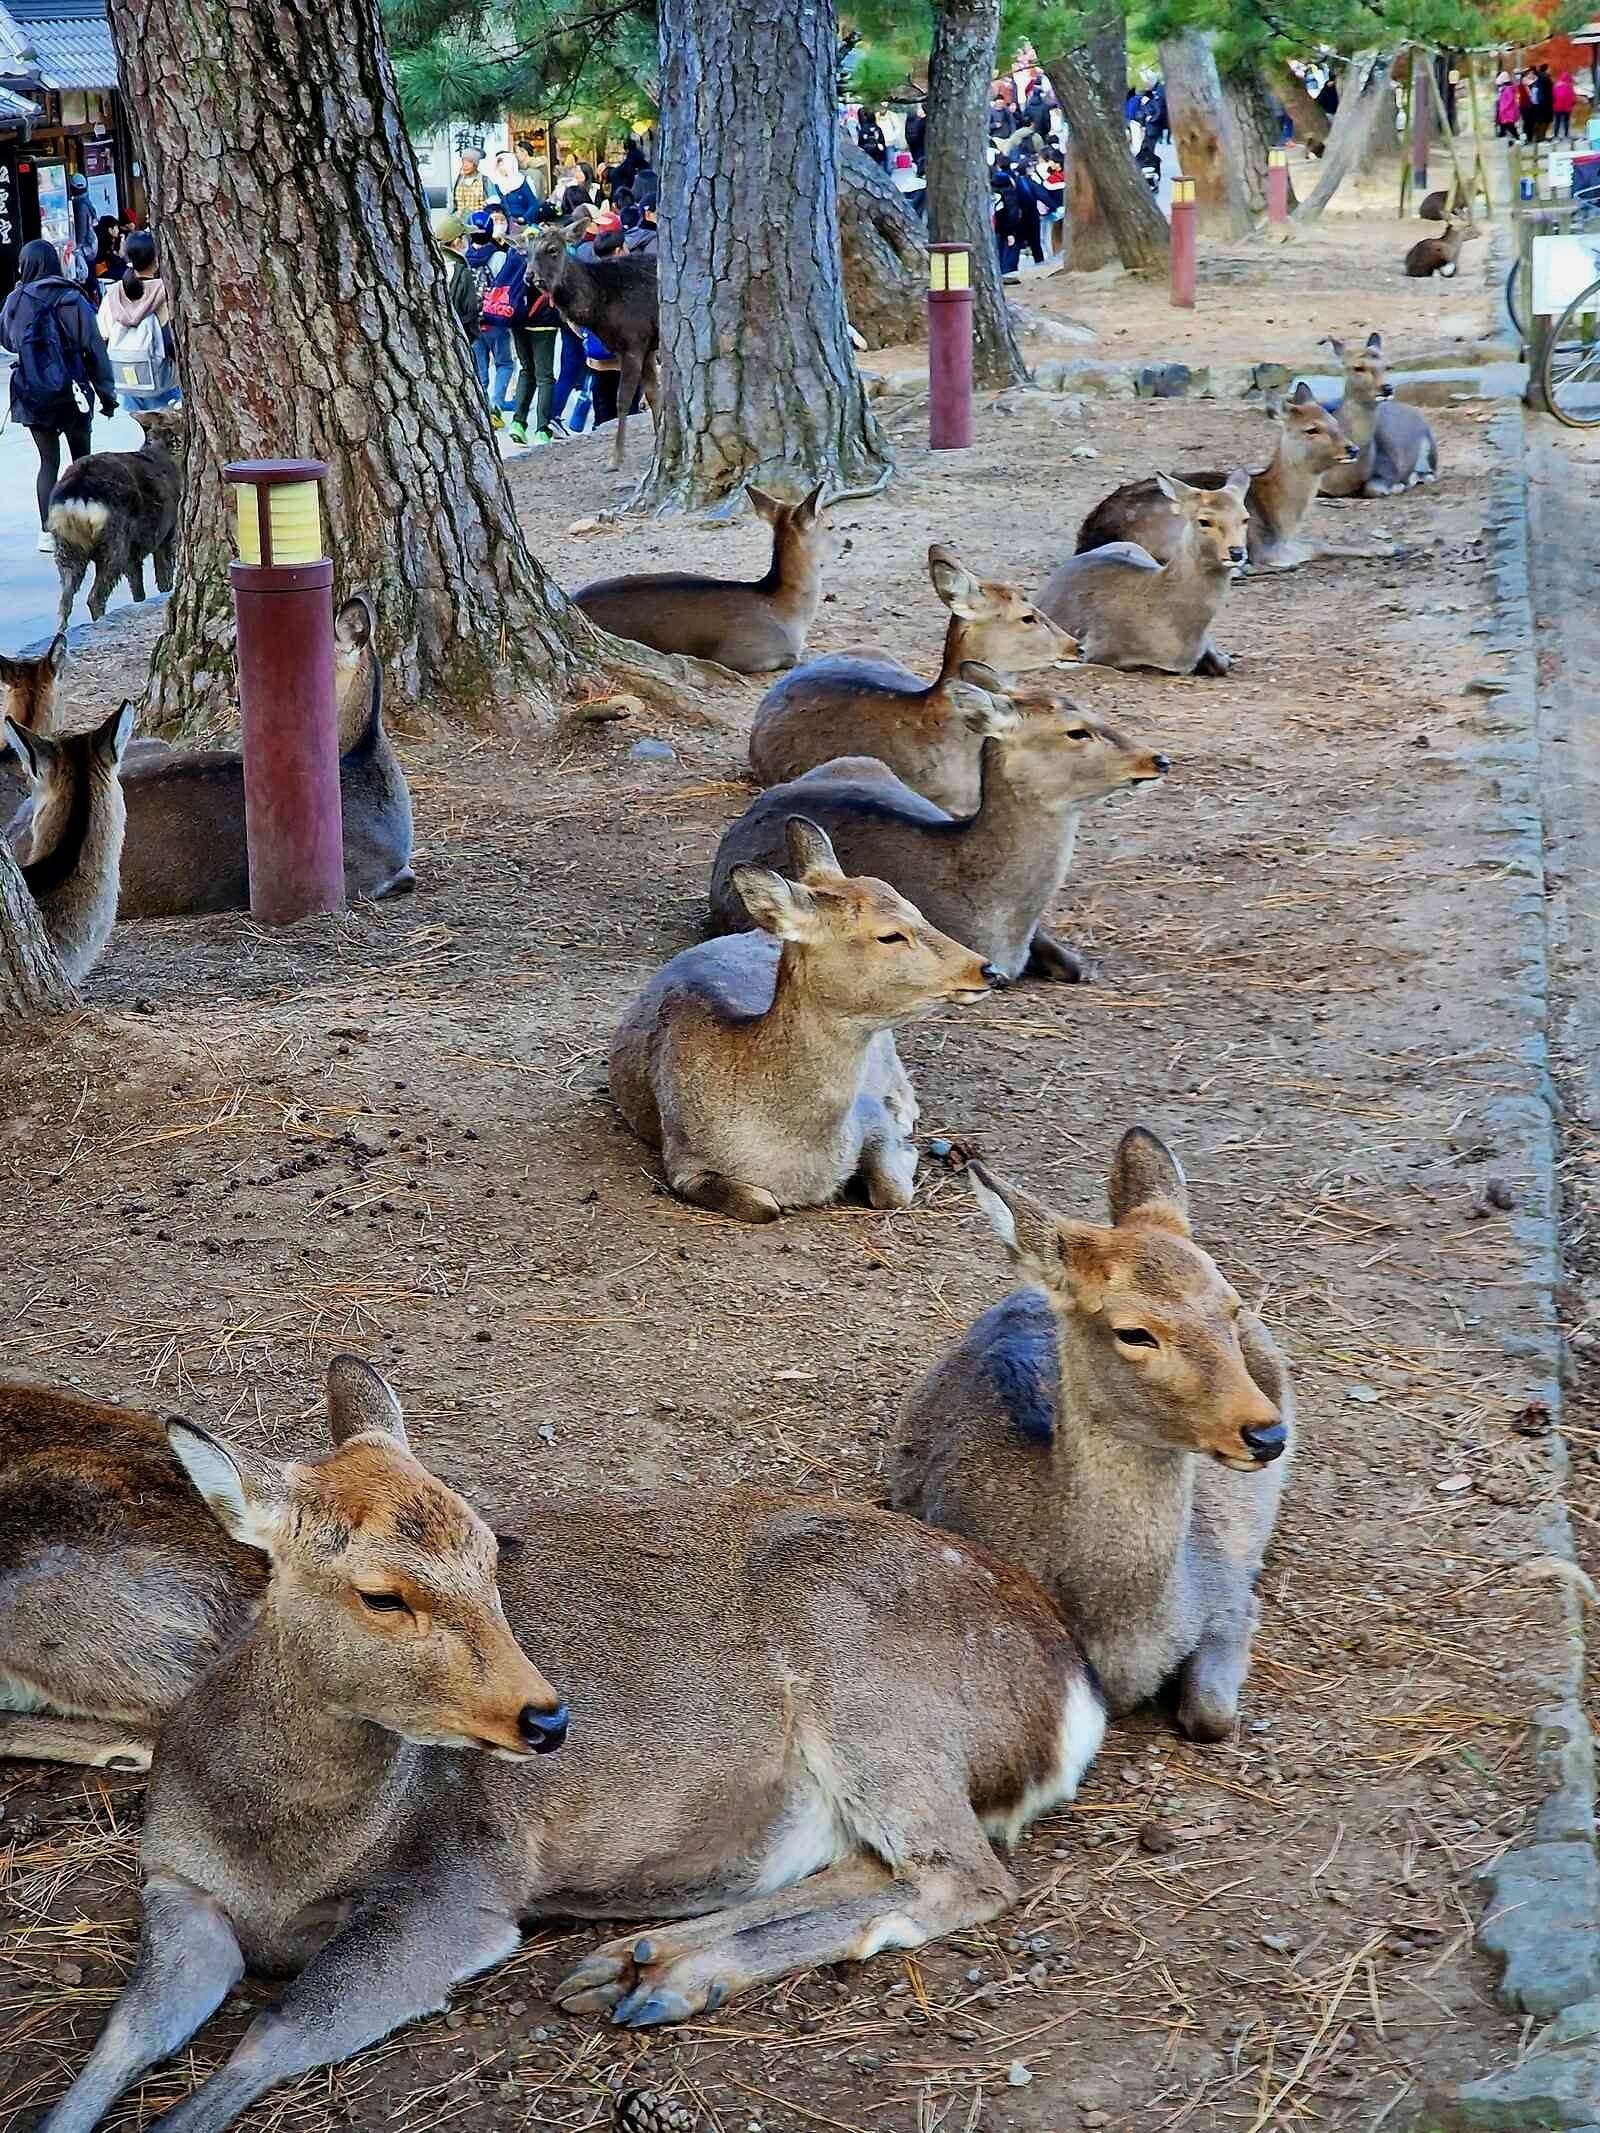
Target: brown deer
{"type": "Point", "coordinates": [852, 705]}
{"type": "Point", "coordinates": [1128, 610]}
{"type": "Point", "coordinates": [988, 877]}
{"type": "Point", "coordinates": [72, 846]}
{"type": "Point", "coordinates": [798, 1728]}
{"type": "Point", "coordinates": [185, 848]}
{"type": "Point", "coordinates": [1440, 255]}
{"type": "Point", "coordinates": [1278, 500]}
{"type": "Point", "coordinates": [616, 300]}
{"type": "Point", "coordinates": [113, 509]}
{"type": "Point", "coordinates": [1395, 447]}
{"type": "Point", "coordinates": [763, 1065]}
{"type": "Point", "coordinates": [756, 626]}
{"type": "Point", "coordinates": [1121, 1428]}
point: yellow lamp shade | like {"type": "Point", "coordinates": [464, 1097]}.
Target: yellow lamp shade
{"type": "Point", "coordinates": [294, 522]}
{"type": "Point", "coordinates": [949, 267]}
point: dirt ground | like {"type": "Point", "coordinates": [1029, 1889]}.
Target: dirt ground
{"type": "Point", "coordinates": [392, 1132]}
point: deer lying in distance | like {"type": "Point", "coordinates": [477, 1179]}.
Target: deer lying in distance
{"type": "Point", "coordinates": [763, 1065]}
{"type": "Point", "coordinates": [859, 1709]}
{"type": "Point", "coordinates": [112, 509]}
{"type": "Point", "coordinates": [185, 848]}
{"type": "Point", "coordinates": [754, 627]}
{"type": "Point", "coordinates": [851, 705]}
{"type": "Point", "coordinates": [614, 299]}
{"type": "Point", "coordinates": [988, 877]}
{"type": "Point", "coordinates": [1128, 610]}
{"type": "Point", "coordinates": [1395, 447]}
{"type": "Point", "coordinates": [73, 843]}
{"type": "Point", "coordinates": [1441, 255]}
{"type": "Point", "coordinates": [1278, 499]}
{"type": "Point", "coordinates": [1121, 1428]}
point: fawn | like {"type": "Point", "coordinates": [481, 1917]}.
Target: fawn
{"type": "Point", "coordinates": [1395, 447]}
{"type": "Point", "coordinates": [1310, 444]}
{"type": "Point", "coordinates": [987, 877]}
{"type": "Point", "coordinates": [852, 705]}
{"type": "Point", "coordinates": [72, 844]}
{"type": "Point", "coordinates": [798, 1727]}
{"type": "Point", "coordinates": [763, 1065]}
{"type": "Point", "coordinates": [1122, 1429]}
{"type": "Point", "coordinates": [1128, 610]}
{"type": "Point", "coordinates": [754, 627]}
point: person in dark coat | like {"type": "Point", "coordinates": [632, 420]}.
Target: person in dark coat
{"type": "Point", "coordinates": [869, 136]}
{"type": "Point", "coordinates": [85, 237]}
{"type": "Point", "coordinates": [62, 366]}
{"type": "Point", "coordinates": [917, 138]}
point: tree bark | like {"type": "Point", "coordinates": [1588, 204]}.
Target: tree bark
{"type": "Point", "coordinates": [1099, 139]}
{"type": "Point", "coordinates": [32, 984]}
{"type": "Point", "coordinates": [1309, 118]}
{"type": "Point", "coordinates": [1203, 132]}
{"type": "Point", "coordinates": [1364, 97]}
{"type": "Point", "coordinates": [758, 382]}
{"type": "Point", "coordinates": [1255, 125]}
{"type": "Point", "coordinates": [885, 255]}
{"type": "Point", "coordinates": [960, 69]}
{"type": "Point", "coordinates": [312, 322]}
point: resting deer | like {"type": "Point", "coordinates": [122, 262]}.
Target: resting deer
{"type": "Point", "coordinates": [1278, 499]}
{"type": "Point", "coordinates": [1121, 1428]}
{"type": "Point", "coordinates": [1441, 255]}
{"type": "Point", "coordinates": [1128, 610]}
{"type": "Point", "coordinates": [185, 848]}
{"type": "Point", "coordinates": [852, 705]}
{"type": "Point", "coordinates": [798, 1728]}
{"type": "Point", "coordinates": [988, 877]}
{"type": "Point", "coordinates": [754, 627]}
{"type": "Point", "coordinates": [763, 1065]}
{"type": "Point", "coordinates": [72, 845]}
{"type": "Point", "coordinates": [1394, 445]}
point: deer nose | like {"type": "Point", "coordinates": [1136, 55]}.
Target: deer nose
{"type": "Point", "coordinates": [1163, 763]}
{"type": "Point", "coordinates": [544, 1731]}
{"type": "Point", "coordinates": [1385, 392]}
{"type": "Point", "coordinates": [1352, 452]}
{"type": "Point", "coordinates": [1267, 1443]}
{"type": "Point", "coordinates": [994, 976]}
{"type": "Point", "coordinates": [1236, 554]}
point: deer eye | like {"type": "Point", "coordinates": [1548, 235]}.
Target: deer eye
{"type": "Point", "coordinates": [1079, 733]}
{"type": "Point", "coordinates": [1135, 1337]}
{"type": "Point", "coordinates": [383, 1603]}
{"type": "Point", "coordinates": [1028, 620]}
{"type": "Point", "coordinates": [891, 940]}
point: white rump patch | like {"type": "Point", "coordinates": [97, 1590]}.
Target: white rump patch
{"type": "Point", "coordinates": [1083, 1725]}
{"type": "Point", "coordinates": [80, 520]}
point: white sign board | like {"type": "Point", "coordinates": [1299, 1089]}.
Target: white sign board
{"type": "Point", "coordinates": [1563, 267]}
{"type": "Point", "coordinates": [1559, 170]}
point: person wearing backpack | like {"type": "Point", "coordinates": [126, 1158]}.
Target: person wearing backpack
{"type": "Point", "coordinates": [499, 269]}
{"type": "Point", "coordinates": [61, 369]}
{"type": "Point", "coordinates": [133, 321]}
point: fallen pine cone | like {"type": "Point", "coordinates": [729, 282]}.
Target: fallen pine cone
{"type": "Point", "coordinates": [644, 2111]}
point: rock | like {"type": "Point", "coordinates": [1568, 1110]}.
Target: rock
{"type": "Point", "coordinates": [1499, 1194]}
{"type": "Point", "coordinates": [1156, 1837]}
{"type": "Point", "coordinates": [606, 708]}
{"type": "Point", "coordinates": [1163, 381]}
{"type": "Point", "coordinates": [1060, 332]}
{"type": "Point", "coordinates": [1279, 1943]}
{"type": "Point", "coordinates": [1556, 2085]}
{"type": "Point", "coordinates": [1540, 1922]}
{"type": "Point", "coordinates": [1488, 685]}
{"type": "Point", "coordinates": [1106, 381]}
{"type": "Point", "coordinates": [1017, 2075]}
{"type": "Point", "coordinates": [1084, 451]}
{"type": "Point", "coordinates": [652, 751]}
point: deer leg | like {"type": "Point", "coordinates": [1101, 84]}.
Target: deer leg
{"type": "Point", "coordinates": [395, 1961]}
{"type": "Point", "coordinates": [1050, 958]}
{"type": "Point", "coordinates": [888, 1164]}
{"type": "Point", "coordinates": [95, 1743]}
{"type": "Point", "coordinates": [627, 391]}
{"type": "Point", "coordinates": [702, 1186]}
{"type": "Point", "coordinates": [189, 1962]}
{"type": "Point", "coordinates": [1211, 661]}
{"type": "Point", "coordinates": [1213, 1676]}
{"type": "Point", "coordinates": [163, 562]}
{"type": "Point", "coordinates": [650, 379]}
{"type": "Point", "coordinates": [73, 569]}
{"type": "Point", "coordinates": [106, 574]}
{"type": "Point", "coordinates": [136, 576]}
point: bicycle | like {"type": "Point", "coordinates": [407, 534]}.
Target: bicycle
{"type": "Point", "coordinates": [1570, 375]}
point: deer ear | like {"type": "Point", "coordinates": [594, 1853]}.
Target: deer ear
{"type": "Point", "coordinates": [113, 736]}
{"type": "Point", "coordinates": [1175, 491]}
{"type": "Point", "coordinates": [1147, 1184]}
{"type": "Point", "coordinates": [955, 585]}
{"type": "Point", "coordinates": [1023, 1224]}
{"type": "Point", "coordinates": [770, 507]}
{"type": "Point", "coordinates": [983, 706]}
{"type": "Point", "coordinates": [243, 1491]}
{"type": "Point", "coordinates": [808, 512]}
{"type": "Point", "coordinates": [352, 626]}
{"type": "Point", "coordinates": [811, 852]}
{"type": "Point", "coordinates": [1332, 341]}
{"type": "Point", "coordinates": [1375, 344]}
{"type": "Point", "coordinates": [56, 658]}
{"type": "Point", "coordinates": [784, 908]}
{"type": "Point", "coordinates": [26, 747]}
{"type": "Point", "coordinates": [1302, 396]}
{"type": "Point", "coordinates": [362, 1403]}
{"type": "Point", "coordinates": [1238, 482]}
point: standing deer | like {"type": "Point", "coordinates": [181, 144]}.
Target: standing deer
{"type": "Point", "coordinates": [616, 300]}
{"type": "Point", "coordinates": [852, 705]}
{"type": "Point", "coordinates": [798, 1728]}
{"type": "Point", "coordinates": [1121, 1427]}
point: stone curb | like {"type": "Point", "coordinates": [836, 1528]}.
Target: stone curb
{"type": "Point", "coordinates": [1541, 1920]}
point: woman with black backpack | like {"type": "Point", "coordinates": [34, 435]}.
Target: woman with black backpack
{"type": "Point", "coordinates": [62, 366]}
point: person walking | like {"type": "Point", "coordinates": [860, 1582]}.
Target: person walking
{"type": "Point", "coordinates": [450, 235]}
{"type": "Point", "coordinates": [535, 335]}
{"type": "Point", "coordinates": [135, 323]}
{"type": "Point", "coordinates": [1505, 107]}
{"type": "Point", "coordinates": [469, 192]}
{"type": "Point", "coordinates": [61, 369]}
{"type": "Point", "coordinates": [1563, 102]}
{"type": "Point", "coordinates": [500, 270]}
{"type": "Point", "coordinates": [1541, 101]}
{"type": "Point", "coordinates": [85, 244]}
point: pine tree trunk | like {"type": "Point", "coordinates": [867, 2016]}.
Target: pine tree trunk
{"type": "Point", "coordinates": [1098, 135]}
{"type": "Point", "coordinates": [1203, 133]}
{"type": "Point", "coordinates": [32, 984]}
{"type": "Point", "coordinates": [960, 69]}
{"type": "Point", "coordinates": [885, 254]}
{"type": "Point", "coordinates": [1255, 126]}
{"type": "Point", "coordinates": [758, 381]}
{"type": "Point", "coordinates": [1364, 98]}
{"type": "Point", "coordinates": [312, 322]}
{"type": "Point", "coordinates": [1090, 243]}
{"type": "Point", "coordinates": [1309, 119]}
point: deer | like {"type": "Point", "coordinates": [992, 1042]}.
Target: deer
{"type": "Point", "coordinates": [73, 844]}
{"type": "Point", "coordinates": [1278, 500]}
{"type": "Point", "coordinates": [768, 1732]}
{"type": "Point", "coordinates": [1129, 610]}
{"type": "Point", "coordinates": [754, 627]}
{"type": "Point", "coordinates": [763, 1065]}
{"type": "Point", "coordinates": [1395, 446]}
{"type": "Point", "coordinates": [1440, 255]}
{"type": "Point", "coordinates": [614, 299]}
{"type": "Point", "coordinates": [987, 878]}
{"type": "Point", "coordinates": [112, 509]}
{"type": "Point", "coordinates": [30, 697]}
{"type": "Point", "coordinates": [185, 848]}
{"type": "Point", "coordinates": [849, 704]}
{"type": "Point", "coordinates": [1121, 1427]}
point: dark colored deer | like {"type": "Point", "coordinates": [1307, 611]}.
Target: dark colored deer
{"type": "Point", "coordinates": [616, 300]}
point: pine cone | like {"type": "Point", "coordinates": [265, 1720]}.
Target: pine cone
{"type": "Point", "coordinates": [644, 2111]}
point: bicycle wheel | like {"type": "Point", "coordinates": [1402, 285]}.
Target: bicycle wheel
{"type": "Point", "coordinates": [1513, 291]}
{"type": "Point", "coordinates": [1571, 376]}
